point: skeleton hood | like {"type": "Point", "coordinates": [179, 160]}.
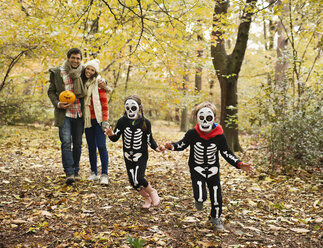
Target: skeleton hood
{"type": "Point", "coordinates": [217, 130]}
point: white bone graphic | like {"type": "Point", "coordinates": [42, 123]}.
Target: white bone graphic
{"type": "Point", "coordinates": [134, 175]}
{"type": "Point", "coordinates": [200, 170]}
{"type": "Point", "coordinates": [217, 212]}
{"type": "Point", "coordinates": [200, 199]}
{"type": "Point", "coordinates": [148, 139]}
{"type": "Point", "coordinates": [181, 145]}
{"type": "Point", "coordinates": [117, 131]}
{"type": "Point", "coordinates": [137, 140]}
{"type": "Point", "coordinates": [230, 156]}
{"type": "Point", "coordinates": [127, 155]}
{"type": "Point", "coordinates": [127, 138]}
{"type": "Point", "coordinates": [198, 153]}
{"type": "Point", "coordinates": [211, 154]}
{"type": "Point", "coordinates": [215, 188]}
{"type": "Point", "coordinates": [136, 156]}
{"type": "Point", "coordinates": [214, 170]}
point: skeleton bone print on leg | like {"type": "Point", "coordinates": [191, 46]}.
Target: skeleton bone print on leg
{"type": "Point", "coordinates": [134, 174]}
{"type": "Point", "coordinates": [200, 199]}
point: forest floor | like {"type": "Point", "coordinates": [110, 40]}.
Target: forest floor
{"type": "Point", "coordinates": [37, 209]}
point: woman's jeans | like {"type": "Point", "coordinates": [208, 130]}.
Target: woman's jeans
{"type": "Point", "coordinates": [96, 138]}
{"type": "Point", "coordinates": [71, 132]}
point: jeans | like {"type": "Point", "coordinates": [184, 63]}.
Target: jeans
{"type": "Point", "coordinates": [96, 138]}
{"type": "Point", "coordinates": [71, 132]}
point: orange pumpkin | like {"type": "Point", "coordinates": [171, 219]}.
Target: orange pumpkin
{"type": "Point", "coordinates": [67, 96]}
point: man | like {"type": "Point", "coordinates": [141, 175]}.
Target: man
{"type": "Point", "coordinates": [69, 116]}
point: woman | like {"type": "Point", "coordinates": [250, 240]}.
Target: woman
{"type": "Point", "coordinates": [96, 115]}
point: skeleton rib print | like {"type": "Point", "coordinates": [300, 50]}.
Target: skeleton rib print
{"type": "Point", "coordinates": [127, 138]}
{"type": "Point", "coordinates": [137, 140]}
{"type": "Point", "coordinates": [199, 153]}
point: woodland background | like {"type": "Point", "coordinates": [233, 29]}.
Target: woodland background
{"type": "Point", "coordinates": [259, 62]}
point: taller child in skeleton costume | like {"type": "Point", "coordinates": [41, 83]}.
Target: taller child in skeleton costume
{"type": "Point", "coordinates": [205, 141]}
{"type": "Point", "coordinates": [136, 136]}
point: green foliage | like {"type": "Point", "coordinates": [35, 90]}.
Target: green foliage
{"type": "Point", "coordinates": [290, 126]}
{"type": "Point", "coordinates": [136, 242]}
{"type": "Point", "coordinates": [23, 110]}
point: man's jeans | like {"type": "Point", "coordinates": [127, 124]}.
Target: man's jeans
{"type": "Point", "coordinates": [96, 138]}
{"type": "Point", "coordinates": [71, 131]}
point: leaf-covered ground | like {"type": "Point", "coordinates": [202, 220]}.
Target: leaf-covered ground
{"type": "Point", "coordinates": [38, 210]}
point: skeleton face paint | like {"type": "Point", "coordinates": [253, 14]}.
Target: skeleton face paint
{"type": "Point", "coordinates": [205, 119]}
{"type": "Point", "coordinates": [132, 109]}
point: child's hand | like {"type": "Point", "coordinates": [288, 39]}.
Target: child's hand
{"type": "Point", "coordinates": [109, 131]}
{"type": "Point", "coordinates": [160, 149]}
{"type": "Point", "coordinates": [169, 146]}
{"type": "Point", "coordinates": [247, 168]}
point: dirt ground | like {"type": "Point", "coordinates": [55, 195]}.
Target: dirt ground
{"type": "Point", "coordinates": [37, 209]}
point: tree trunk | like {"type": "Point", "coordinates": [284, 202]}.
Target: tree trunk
{"type": "Point", "coordinates": [227, 67]}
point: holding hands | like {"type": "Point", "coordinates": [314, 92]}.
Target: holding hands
{"type": "Point", "coordinates": [109, 131]}
{"type": "Point", "coordinates": [169, 146]}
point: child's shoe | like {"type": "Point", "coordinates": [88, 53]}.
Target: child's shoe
{"type": "Point", "coordinates": [147, 198]}
{"type": "Point", "coordinates": [217, 223]}
{"type": "Point", "coordinates": [104, 179]}
{"type": "Point", "coordinates": [154, 198]}
{"type": "Point", "coordinates": [153, 195]}
{"type": "Point", "coordinates": [147, 203]}
{"type": "Point", "coordinates": [199, 205]}
{"type": "Point", "coordinates": [93, 177]}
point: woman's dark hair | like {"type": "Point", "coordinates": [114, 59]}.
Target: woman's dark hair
{"type": "Point", "coordinates": [138, 100]}
{"type": "Point", "coordinates": [74, 51]}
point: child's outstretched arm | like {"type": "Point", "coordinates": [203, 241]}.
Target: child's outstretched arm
{"type": "Point", "coordinates": [180, 145]}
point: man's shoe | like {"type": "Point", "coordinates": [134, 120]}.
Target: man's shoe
{"type": "Point", "coordinates": [217, 223]}
{"type": "Point", "coordinates": [104, 179]}
{"type": "Point", "coordinates": [70, 180]}
{"type": "Point", "coordinates": [93, 177]}
{"type": "Point", "coordinates": [199, 205]}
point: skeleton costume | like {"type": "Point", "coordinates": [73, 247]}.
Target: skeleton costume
{"type": "Point", "coordinates": [204, 159]}
{"type": "Point", "coordinates": [135, 147]}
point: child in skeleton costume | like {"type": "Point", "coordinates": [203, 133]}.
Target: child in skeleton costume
{"type": "Point", "coordinates": [206, 140]}
{"type": "Point", "coordinates": [136, 136]}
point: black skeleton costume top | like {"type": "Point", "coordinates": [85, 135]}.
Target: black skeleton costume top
{"type": "Point", "coordinates": [204, 150]}
{"type": "Point", "coordinates": [135, 140]}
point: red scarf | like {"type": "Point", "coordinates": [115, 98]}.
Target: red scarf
{"type": "Point", "coordinates": [215, 131]}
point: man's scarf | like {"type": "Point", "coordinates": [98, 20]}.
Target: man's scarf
{"type": "Point", "coordinates": [75, 75]}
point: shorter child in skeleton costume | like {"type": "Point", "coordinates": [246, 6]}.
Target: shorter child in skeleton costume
{"type": "Point", "coordinates": [136, 136]}
{"type": "Point", "coordinates": [205, 141]}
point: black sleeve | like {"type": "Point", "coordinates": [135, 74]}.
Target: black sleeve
{"type": "Point", "coordinates": [183, 143]}
{"type": "Point", "coordinates": [227, 154]}
{"type": "Point", "coordinates": [150, 139]}
{"type": "Point", "coordinates": [117, 131]}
